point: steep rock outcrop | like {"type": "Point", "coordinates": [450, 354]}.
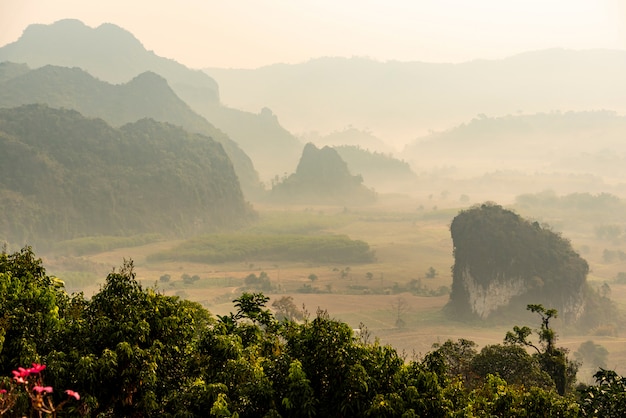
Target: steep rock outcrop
{"type": "Point", "coordinates": [322, 177]}
{"type": "Point", "coordinates": [501, 259]}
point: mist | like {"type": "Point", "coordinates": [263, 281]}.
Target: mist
{"type": "Point", "coordinates": [336, 182]}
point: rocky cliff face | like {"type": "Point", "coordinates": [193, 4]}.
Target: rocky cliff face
{"type": "Point", "coordinates": [484, 300]}
{"type": "Point", "coordinates": [501, 259]}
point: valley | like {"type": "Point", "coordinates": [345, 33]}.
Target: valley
{"type": "Point", "coordinates": [406, 242]}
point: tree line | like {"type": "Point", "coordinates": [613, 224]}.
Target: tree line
{"type": "Point", "coordinates": [135, 352]}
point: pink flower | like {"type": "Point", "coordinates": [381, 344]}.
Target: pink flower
{"type": "Point", "coordinates": [44, 389]}
{"type": "Point", "coordinates": [21, 372]}
{"type": "Point", "coordinates": [74, 394]}
{"type": "Point", "coordinates": [19, 379]}
{"type": "Point", "coordinates": [37, 368]}
{"type": "Point", "coordinates": [3, 391]}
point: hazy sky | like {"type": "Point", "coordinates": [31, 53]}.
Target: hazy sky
{"type": "Point", "coordinates": [248, 34]}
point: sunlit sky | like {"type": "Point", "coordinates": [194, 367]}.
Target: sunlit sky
{"type": "Point", "coordinates": [253, 33]}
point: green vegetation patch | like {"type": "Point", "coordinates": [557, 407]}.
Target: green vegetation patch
{"type": "Point", "coordinates": [219, 248]}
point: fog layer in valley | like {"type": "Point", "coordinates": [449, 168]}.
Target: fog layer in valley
{"type": "Point", "coordinates": [334, 182]}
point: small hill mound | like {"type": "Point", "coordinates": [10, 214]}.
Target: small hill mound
{"type": "Point", "coordinates": [322, 177]}
{"type": "Point", "coordinates": [64, 176]}
{"type": "Point", "coordinates": [502, 260]}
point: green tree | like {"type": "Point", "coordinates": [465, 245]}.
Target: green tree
{"type": "Point", "coordinates": [607, 398]}
{"type": "Point", "coordinates": [431, 273]}
{"type": "Point", "coordinates": [287, 309]}
{"type": "Point", "coordinates": [456, 359]}
{"type": "Point", "coordinates": [300, 398]}
{"type": "Point", "coordinates": [512, 363]}
{"type": "Point", "coordinates": [553, 360]}
{"type": "Point", "coordinates": [31, 307]}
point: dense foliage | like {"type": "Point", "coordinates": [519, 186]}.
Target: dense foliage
{"type": "Point", "coordinates": [220, 248]}
{"type": "Point", "coordinates": [495, 246]}
{"type": "Point", "coordinates": [64, 176]}
{"type": "Point", "coordinates": [131, 351]}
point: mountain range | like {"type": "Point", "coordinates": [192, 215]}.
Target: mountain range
{"type": "Point", "coordinates": [400, 101]}
{"type": "Point", "coordinates": [147, 95]}
{"type": "Point", "coordinates": [114, 55]}
{"type": "Point", "coordinates": [538, 115]}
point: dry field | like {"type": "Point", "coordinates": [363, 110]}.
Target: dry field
{"type": "Point", "coordinates": [407, 241]}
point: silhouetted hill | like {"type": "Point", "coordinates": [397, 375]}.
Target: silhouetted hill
{"type": "Point", "coordinates": [146, 96]}
{"type": "Point", "coordinates": [351, 137]}
{"type": "Point", "coordinates": [107, 52]}
{"type": "Point", "coordinates": [381, 171]}
{"type": "Point", "coordinates": [114, 55]}
{"type": "Point", "coordinates": [322, 177]}
{"type": "Point", "coordinates": [63, 176]}
{"type": "Point", "coordinates": [399, 101]}
{"type": "Point", "coordinates": [571, 142]}
{"type": "Point", "coordinates": [273, 149]}
{"type": "Point", "coordinates": [9, 70]}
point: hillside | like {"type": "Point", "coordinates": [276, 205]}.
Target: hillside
{"type": "Point", "coordinates": [63, 176]}
{"type": "Point", "coordinates": [146, 96]}
{"type": "Point", "coordinates": [322, 177]}
{"type": "Point", "coordinates": [113, 54]}
{"type": "Point", "coordinates": [399, 101]}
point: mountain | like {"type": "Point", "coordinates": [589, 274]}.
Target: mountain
{"type": "Point", "coordinates": [502, 260]}
{"type": "Point", "coordinates": [146, 96]}
{"type": "Point", "coordinates": [380, 171]}
{"type": "Point", "coordinates": [113, 54]}
{"type": "Point", "coordinates": [63, 175]}
{"type": "Point", "coordinates": [322, 177]}
{"type": "Point", "coordinates": [10, 70]}
{"type": "Point", "coordinates": [107, 52]}
{"type": "Point", "coordinates": [273, 149]}
{"type": "Point", "coordinates": [349, 136]}
{"type": "Point", "coordinates": [570, 142]}
{"type": "Point", "coordinates": [399, 101]}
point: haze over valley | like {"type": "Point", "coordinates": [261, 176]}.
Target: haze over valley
{"type": "Point", "coordinates": [418, 201]}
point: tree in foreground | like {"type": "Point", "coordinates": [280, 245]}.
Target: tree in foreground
{"type": "Point", "coordinates": [131, 351]}
{"type": "Point", "coordinates": [553, 360]}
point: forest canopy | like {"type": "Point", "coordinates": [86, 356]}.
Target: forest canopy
{"type": "Point", "coordinates": [64, 176]}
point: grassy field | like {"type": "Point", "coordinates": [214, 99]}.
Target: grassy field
{"type": "Point", "coordinates": [407, 242]}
